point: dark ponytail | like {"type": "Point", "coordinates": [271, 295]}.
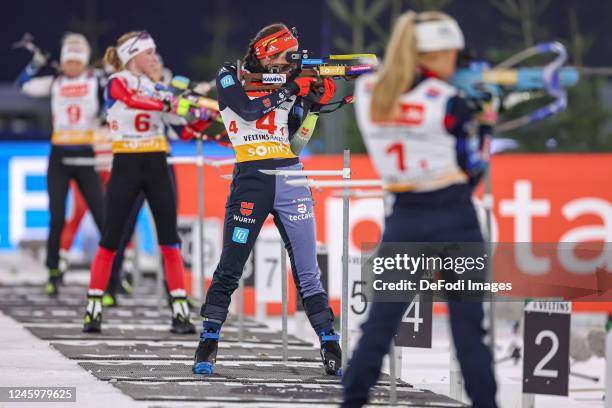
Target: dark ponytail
{"type": "Point", "coordinates": [251, 63]}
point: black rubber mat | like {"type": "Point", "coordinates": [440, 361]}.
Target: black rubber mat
{"type": "Point", "coordinates": [39, 289]}
{"type": "Point", "coordinates": [113, 333]}
{"type": "Point", "coordinates": [150, 302]}
{"type": "Point", "coordinates": [79, 320]}
{"type": "Point", "coordinates": [42, 301]}
{"type": "Point", "coordinates": [147, 288]}
{"type": "Point", "coordinates": [161, 351]}
{"type": "Point", "coordinates": [270, 393]}
{"type": "Point", "coordinates": [14, 300]}
{"type": "Point", "coordinates": [241, 372]}
{"type": "Point", "coordinates": [112, 315]}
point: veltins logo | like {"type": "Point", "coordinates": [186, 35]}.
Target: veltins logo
{"type": "Point", "coordinates": [240, 235]}
{"type": "Point", "coordinates": [246, 208]}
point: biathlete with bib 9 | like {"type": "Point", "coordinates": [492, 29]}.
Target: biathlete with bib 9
{"type": "Point", "coordinates": [76, 93]}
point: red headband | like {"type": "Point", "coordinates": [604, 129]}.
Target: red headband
{"type": "Point", "coordinates": [274, 43]}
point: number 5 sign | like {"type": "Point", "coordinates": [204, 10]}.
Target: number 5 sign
{"type": "Point", "coordinates": [546, 342]}
{"type": "Point", "coordinates": [358, 295]}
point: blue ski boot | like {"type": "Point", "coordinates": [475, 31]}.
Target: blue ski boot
{"type": "Point", "coordinates": [330, 352]}
{"type": "Point", "coordinates": [206, 353]}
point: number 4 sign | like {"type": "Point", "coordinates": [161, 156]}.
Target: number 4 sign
{"type": "Point", "coordinates": [546, 342]}
{"type": "Point", "coordinates": [415, 328]}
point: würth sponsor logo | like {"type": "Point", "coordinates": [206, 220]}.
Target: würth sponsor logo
{"type": "Point", "coordinates": [246, 208]}
{"type": "Point", "coordinates": [74, 91]}
{"type": "Point", "coordinates": [245, 220]}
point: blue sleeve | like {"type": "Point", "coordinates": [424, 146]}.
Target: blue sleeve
{"type": "Point", "coordinates": [231, 94]}
{"type": "Point", "coordinates": [109, 101]}
{"type": "Point", "coordinates": [26, 74]}
{"type": "Point", "coordinates": [460, 121]}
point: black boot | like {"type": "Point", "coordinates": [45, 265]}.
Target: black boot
{"type": "Point", "coordinates": [331, 354]}
{"type": "Point", "coordinates": [181, 320]}
{"type": "Point", "coordinates": [206, 353]}
{"type": "Point", "coordinates": [109, 300]}
{"type": "Point", "coordinates": [55, 280]}
{"type": "Point", "coordinates": [93, 315]}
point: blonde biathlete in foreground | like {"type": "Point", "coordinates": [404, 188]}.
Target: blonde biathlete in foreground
{"type": "Point", "coordinates": [427, 143]}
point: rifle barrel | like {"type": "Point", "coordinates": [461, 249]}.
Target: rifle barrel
{"type": "Point", "coordinates": [595, 71]}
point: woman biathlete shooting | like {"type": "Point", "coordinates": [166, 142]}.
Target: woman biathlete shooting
{"type": "Point", "coordinates": [260, 126]}
{"type": "Point", "coordinates": [75, 105]}
{"type": "Point", "coordinates": [136, 116]}
{"type": "Point", "coordinates": [429, 146]}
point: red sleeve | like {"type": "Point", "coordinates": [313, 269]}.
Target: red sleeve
{"type": "Point", "coordinates": [190, 130]}
{"type": "Point", "coordinates": [118, 90]}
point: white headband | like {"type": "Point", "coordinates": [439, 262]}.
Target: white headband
{"type": "Point", "coordinates": [75, 52]}
{"type": "Point", "coordinates": [439, 35]}
{"type": "Point", "coordinates": [133, 47]}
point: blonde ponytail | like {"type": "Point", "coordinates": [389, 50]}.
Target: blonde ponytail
{"type": "Point", "coordinates": [111, 57]}
{"type": "Point", "coordinates": [398, 71]}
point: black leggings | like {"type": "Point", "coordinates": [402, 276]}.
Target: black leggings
{"type": "Point", "coordinates": [128, 232]}
{"type": "Point", "coordinates": [132, 174]}
{"type": "Point", "coordinates": [58, 180]}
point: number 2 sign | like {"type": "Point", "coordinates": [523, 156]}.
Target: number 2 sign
{"type": "Point", "coordinates": [546, 342]}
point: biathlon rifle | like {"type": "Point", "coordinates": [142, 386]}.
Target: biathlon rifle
{"type": "Point", "coordinates": [43, 57]}
{"type": "Point", "coordinates": [192, 94]}
{"type": "Point", "coordinates": [514, 85]}
{"type": "Point", "coordinates": [345, 66]}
